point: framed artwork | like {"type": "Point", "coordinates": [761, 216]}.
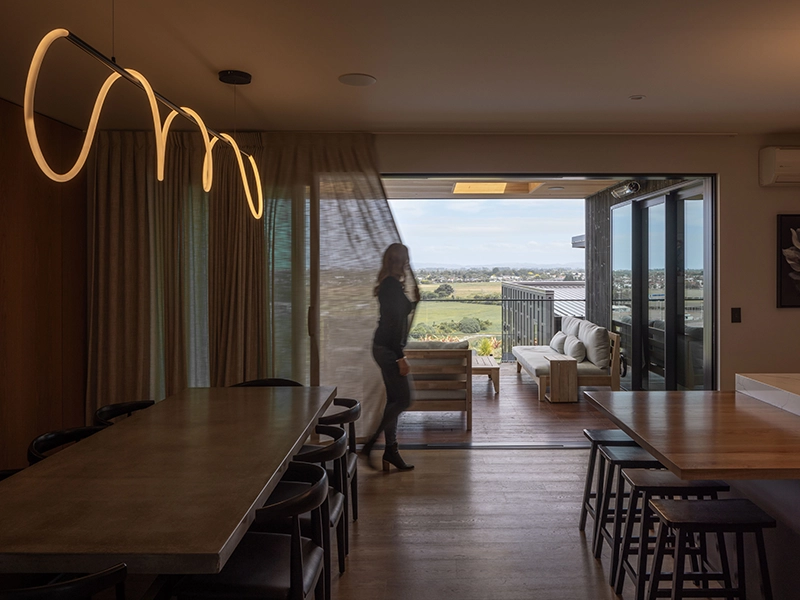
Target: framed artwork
{"type": "Point", "coordinates": [788, 261]}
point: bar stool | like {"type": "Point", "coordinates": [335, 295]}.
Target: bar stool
{"type": "Point", "coordinates": [605, 437]}
{"type": "Point", "coordinates": [689, 517]}
{"type": "Point", "coordinates": [647, 484]}
{"type": "Point", "coordinates": [614, 459]}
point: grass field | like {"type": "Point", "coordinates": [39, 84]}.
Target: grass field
{"type": "Point", "coordinates": [467, 290]}
{"type": "Point", "coordinates": [438, 312]}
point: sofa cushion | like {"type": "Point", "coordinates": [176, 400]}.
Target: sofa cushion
{"type": "Point", "coordinates": [574, 347]}
{"type": "Point", "coordinates": [557, 343]}
{"type": "Point", "coordinates": [595, 340]}
{"type": "Point", "coordinates": [570, 325]}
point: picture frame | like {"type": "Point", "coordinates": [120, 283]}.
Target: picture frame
{"type": "Point", "coordinates": [788, 261]}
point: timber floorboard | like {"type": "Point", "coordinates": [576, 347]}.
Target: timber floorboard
{"type": "Point", "coordinates": [473, 525]}
{"type": "Point", "coordinates": [515, 415]}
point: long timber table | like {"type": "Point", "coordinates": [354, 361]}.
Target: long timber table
{"type": "Point", "coordinates": [708, 434]}
{"type": "Point", "coordinates": [170, 490]}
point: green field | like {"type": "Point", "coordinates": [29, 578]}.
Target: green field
{"type": "Point", "coordinates": [467, 290]}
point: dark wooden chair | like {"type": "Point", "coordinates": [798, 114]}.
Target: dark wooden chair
{"type": "Point", "coordinates": [75, 589]}
{"type": "Point", "coordinates": [268, 382]}
{"type": "Point", "coordinates": [334, 514]}
{"type": "Point", "coordinates": [348, 417]}
{"type": "Point", "coordinates": [105, 415]}
{"type": "Point", "coordinates": [682, 520]}
{"type": "Point", "coordinates": [269, 565]}
{"type": "Point", "coordinates": [48, 442]}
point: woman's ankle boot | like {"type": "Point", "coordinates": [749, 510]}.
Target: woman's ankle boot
{"type": "Point", "coordinates": [391, 456]}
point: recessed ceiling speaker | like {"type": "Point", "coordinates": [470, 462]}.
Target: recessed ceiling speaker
{"type": "Point", "coordinates": [626, 189]}
{"type": "Point", "coordinates": [234, 77]}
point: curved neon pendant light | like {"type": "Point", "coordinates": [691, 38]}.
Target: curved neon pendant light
{"type": "Point", "coordinates": [161, 129]}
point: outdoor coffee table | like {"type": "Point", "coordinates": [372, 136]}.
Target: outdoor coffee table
{"type": "Point", "coordinates": [487, 365]}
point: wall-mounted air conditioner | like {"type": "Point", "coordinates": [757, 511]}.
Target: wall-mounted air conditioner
{"type": "Point", "coordinates": [779, 165]}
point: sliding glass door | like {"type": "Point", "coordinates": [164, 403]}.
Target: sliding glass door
{"type": "Point", "coordinates": [661, 288]}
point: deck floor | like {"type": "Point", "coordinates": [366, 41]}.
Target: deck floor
{"type": "Point", "coordinates": [514, 416]}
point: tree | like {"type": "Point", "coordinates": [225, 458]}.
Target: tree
{"type": "Point", "coordinates": [469, 325]}
{"type": "Point", "coordinates": [444, 290]}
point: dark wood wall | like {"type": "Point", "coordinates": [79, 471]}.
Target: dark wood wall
{"type": "Point", "coordinates": [598, 249]}
{"type": "Point", "coordinates": [43, 286]}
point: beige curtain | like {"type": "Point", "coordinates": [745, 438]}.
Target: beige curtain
{"type": "Point", "coordinates": [188, 289]}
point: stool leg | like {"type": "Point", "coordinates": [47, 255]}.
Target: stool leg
{"type": "Point", "coordinates": [627, 539]}
{"type": "Point", "coordinates": [601, 515]}
{"type": "Point", "coordinates": [681, 539]}
{"type": "Point", "coordinates": [658, 561]}
{"type": "Point", "coordinates": [354, 494]}
{"type": "Point", "coordinates": [587, 488]}
{"type": "Point", "coordinates": [740, 565]}
{"type": "Point", "coordinates": [766, 586]}
{"type": "Point", "coordinates": [644, 542]}
{"type": "Point", "coordinates": [723, 559]}
{"type": "Point", "coordinates": [601, 468]}
{"type": "Point", "coordinates": [616, 537]}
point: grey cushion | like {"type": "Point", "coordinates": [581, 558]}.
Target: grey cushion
{"type": "Point", "coordinates": [433, 345]}
{"type": "Point", "coordinates": [557, 343]}
{"type": "Point", "coordinates": [533, 361]}
{"type": "Point", "coordinates": [595, 339]}
{"type": "Point", "coordinates": [571, 325]}
{"type": "Point", "coordinates": [574, 347]}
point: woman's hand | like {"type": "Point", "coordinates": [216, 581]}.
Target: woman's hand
{"type": "Point", "coordinates": [402, 364]}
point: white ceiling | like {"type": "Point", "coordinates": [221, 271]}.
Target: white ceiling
{"type": "Point", "coordinates": [442, 65]}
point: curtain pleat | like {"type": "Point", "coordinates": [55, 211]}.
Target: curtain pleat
{"type": "Point", "coordinates": [188, 289]}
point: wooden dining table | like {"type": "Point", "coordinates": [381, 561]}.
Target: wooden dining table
{"type": "Point", "coordinates": [708, 434]}
{"type": "Point", "coordinates": [169, 490]}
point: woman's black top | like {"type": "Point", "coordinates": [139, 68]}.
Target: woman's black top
{"type": "Point", "coordinates": [393, 324]}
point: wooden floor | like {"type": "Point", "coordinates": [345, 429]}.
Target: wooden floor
{"type": "Point", "coordinates": [513, 416]}
{"type": "Point", "coordinates": [473, 524]}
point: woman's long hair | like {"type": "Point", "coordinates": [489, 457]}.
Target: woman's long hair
{"type": "Point", "coordinates": [394, 264]}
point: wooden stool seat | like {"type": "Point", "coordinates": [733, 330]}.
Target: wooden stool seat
{"type": "Point", "coordinates": [611, 437]}
{"type": "Point", "coordinates": [732, 514]}
{"type": "Point", "coordinates": [686, 519]}
{"type": "Point", "coordinates": [614, 459]}
{"type": "Point", "coordinates": [646, 484]}
{"type": "Point", "coordinates": [608, 437]}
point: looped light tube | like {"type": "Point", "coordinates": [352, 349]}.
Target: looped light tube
{"type": "Point", "coordinates": [161, 130]}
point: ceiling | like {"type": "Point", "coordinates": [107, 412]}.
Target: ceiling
{"type": "Point", "coordinates": [514, 66]}
{"type": "Point", "coordinates": [434, 188]}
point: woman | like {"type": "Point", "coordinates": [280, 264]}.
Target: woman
{"type": "Point", "coordinates": [387, 349]}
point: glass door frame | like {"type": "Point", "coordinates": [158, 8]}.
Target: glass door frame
{"type": "Point", "coordinates": [671, 197]}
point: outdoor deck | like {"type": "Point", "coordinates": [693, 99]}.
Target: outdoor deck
{"type": "Point", "coordinates": [514, 416]}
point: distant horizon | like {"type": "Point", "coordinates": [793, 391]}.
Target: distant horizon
{"type": "Point", "coordinates": [474, 233]}
{"type": "Point", "coordinates": [431, 266]}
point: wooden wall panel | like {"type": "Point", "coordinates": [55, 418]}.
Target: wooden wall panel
{"type": "Point", "coordinates": [42, 286]}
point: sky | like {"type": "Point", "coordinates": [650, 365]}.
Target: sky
{"type": "Point", "coordinates": [491, 233]}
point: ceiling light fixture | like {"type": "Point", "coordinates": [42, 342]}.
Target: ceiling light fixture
{"type": "Point", "coordinates": [210, 137]}
{"type": "Point", "coordinates": [637, 97]}
{"type": "Point", "coordinates": [357, 79]}
{"type": "Point", "coordinates": [480, 187]}
{"type": "Point", "coordinates": [556, 188]}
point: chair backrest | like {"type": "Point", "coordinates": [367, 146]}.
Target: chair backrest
{"type": "Point", "coordinates": [75, 589]}
{"type": "Point", "coordinates": [345, 417]}
{"type": "Point", "coordinates": [311, 497]}
{"type": "Point", "coordinates": [55, 439]}
{"type": "Point", "coordinates": [268, 382]}
{"type": "Point", "coordinates": [105, 414]}
{"type": "Point", "coordinates": [333, 451]}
